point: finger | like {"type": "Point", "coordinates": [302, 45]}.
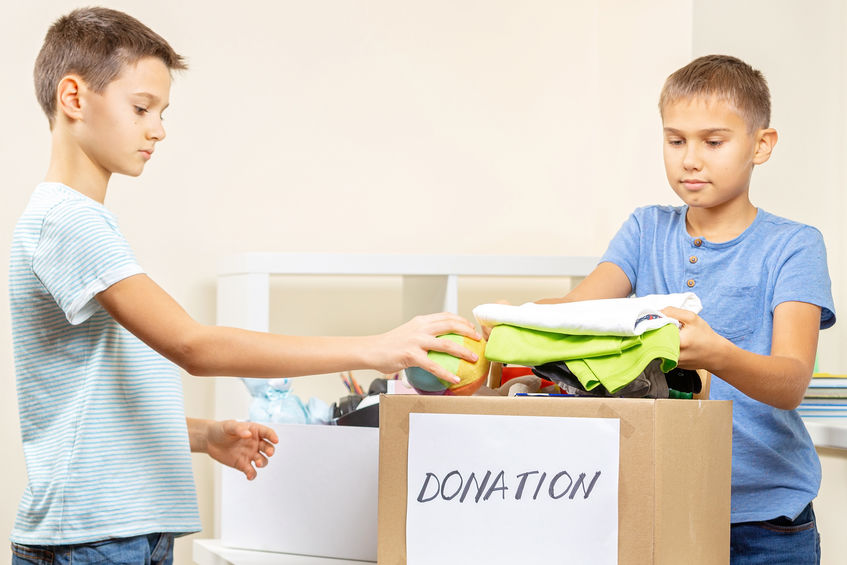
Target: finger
{"type": "Point", "coordinates": [260, 460]}
{"type": "Point", "coordinates": [674, 311]}
{"type": "Point", "coordinates": [454, 349]}
{"type": "Point", "coordinates": [247, 469]}
{"type": "Point", "coordinates": [447, 322]}
{"type": "Point", "coordinates": [486, 332]}
{"type": "Point", "coordinates": [468, 331]}
{"type": "Point", "coordinates": [679, 314]}
{"type": "Point", "coordinates": [268, 434]}
{"type": "Point", "coordinates": [441, 316]}
{"type": "Point", "coordinates": [266, 448]}
{"type": "Point", "coordinates": [438, 371]}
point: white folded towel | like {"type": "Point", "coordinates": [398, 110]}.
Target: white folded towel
{"type": "Point", "coordinates": [613, 316]}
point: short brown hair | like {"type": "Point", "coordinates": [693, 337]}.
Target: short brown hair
{"type": "Point", "coordinates": [95, 43]}
{"type": "Point", "coordinates": [726, 78]}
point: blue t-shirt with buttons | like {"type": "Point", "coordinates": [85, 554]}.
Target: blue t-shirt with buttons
{"type": "Point", "coordinates": [775, 469]}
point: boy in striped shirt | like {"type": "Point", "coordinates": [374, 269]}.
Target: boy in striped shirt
{"type": "Point", "coordinates": [97, 343]}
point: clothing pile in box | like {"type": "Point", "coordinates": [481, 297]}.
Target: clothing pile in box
{"type": "Point", "coordinates": [617, 347]}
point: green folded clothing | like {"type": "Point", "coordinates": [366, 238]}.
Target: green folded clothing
{"type": "Point", "coordinates": [613, 361]}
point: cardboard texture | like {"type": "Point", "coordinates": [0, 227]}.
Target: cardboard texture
{"type": "Point", "coordinates": [318, 495]}
{"type": "Point", "coordinates": [674, 484]}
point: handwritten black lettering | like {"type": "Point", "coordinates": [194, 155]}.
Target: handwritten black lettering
{"type": "Point", "coordinates": [501, 480]}
{"type": "Point", "coordinates": [479, 486]}
{"type": "Point", "coordinates": [424, 485]}
{"type": "Point", "coordinates": [444, 485]}
{"type": "Point", "coordinates": [579, 483]}
{"type": "Point", "coordinates": [538, 488]}
{"type": "Point", "coordinates": [523, 477]}
{"type": "Point", "coordinates": [555, 480]}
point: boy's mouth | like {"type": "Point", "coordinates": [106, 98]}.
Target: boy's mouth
{"type": "Point", "coordinates": [694, 184]}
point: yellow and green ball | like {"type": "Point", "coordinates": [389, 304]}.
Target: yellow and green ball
{"type": "Point", "coordinates": [471, 375]}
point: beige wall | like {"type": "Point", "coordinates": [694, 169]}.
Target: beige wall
{"type": "Point", "coordinates": [405, 127]}
{"type": "Point", "coordinates": [800, 48]}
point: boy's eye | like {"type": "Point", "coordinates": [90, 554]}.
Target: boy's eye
{"type": "Point", "coordinates": [675, 142]}
{"type": "Point", "coordinates": [714, 142]}
{"type": "Point", "coordinates": [140, 110]}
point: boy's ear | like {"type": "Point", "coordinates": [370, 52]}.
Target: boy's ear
{"type": "Point", "coordinates": [765, 141]}
{"type": "Point", "coordinates": [68, 97]}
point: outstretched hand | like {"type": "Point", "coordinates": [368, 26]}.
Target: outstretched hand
{"type": "Point", "coordinates": [245, 446]}
{"type": "Point", "coordinates": [408, 345]}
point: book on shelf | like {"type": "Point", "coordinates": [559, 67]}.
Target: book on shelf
{"type": "Point", "coordinates": [818, 382]}
{"type": "Point", "coordinates": [812, 406]}
{"type": "Point", "coordinates": [826, 393]}
{"type": "Point", "coordinates": [828, 376]}
{"type": "Point", "coordinates": [827, 386]}
{"type": "Point", "coordinates": [826, 397]}
{"type": "Point", "coordinates": [823, 408]}
{"type": "Point", "coordinates": [826, 401]}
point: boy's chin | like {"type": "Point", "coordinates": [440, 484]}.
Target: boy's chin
{"type": "Point", "coordinates": [136, 172]}
{"type": "Point", "coordinates": [694, 200]}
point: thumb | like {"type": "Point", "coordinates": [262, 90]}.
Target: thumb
{"type": "Point", "coordinates": [486, 332]}
{"type": "Point", "coordinates": [235, 428]}
{"type": "Point", "coordinates": [679, 314]}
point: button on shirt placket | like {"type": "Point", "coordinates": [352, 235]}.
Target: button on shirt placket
{"type": "Point", "coordinates": [692, 266]}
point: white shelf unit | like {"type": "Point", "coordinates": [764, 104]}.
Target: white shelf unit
{"type": "Point", "coordinates": [430, 284]}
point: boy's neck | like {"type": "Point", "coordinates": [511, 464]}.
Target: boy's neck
{"type": "Point", "coordinates": [70, 166]}
{"type": "Point", "coordinates": [721, 223]}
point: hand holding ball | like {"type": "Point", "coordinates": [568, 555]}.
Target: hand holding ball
{"type": "Point", "coordinates": [471, 375]}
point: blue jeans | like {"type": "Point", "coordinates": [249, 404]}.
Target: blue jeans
{"type": "Point", "coordinates": [776, 542]}
{"type": "Point", "coordinates": [151, 549]}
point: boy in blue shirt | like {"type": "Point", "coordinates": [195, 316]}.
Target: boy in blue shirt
{"type": "Point", "coordinates": [765, 289]}
{"type": "Point", "coordinates": [97, 342]}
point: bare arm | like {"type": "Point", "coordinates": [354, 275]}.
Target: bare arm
{"type": "Point", "coordinates": [607, 280]}
{"type": "Point", "coordinates": [143, 308]}
{"type": "Point", "coordinates": [779, 379]}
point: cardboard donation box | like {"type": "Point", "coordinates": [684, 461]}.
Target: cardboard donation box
{"type": "Point", "coordinates": [318, 495]}
{"type": "Point", "coordinates": [553, 480]}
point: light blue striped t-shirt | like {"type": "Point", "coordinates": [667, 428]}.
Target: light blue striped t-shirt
{"type": "Point", "coordinates": [102, 416]}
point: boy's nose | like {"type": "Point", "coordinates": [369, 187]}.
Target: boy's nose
{"type": "Point", "coordinates": [157, 131]}
{"type": "Point", "coordinates": [691, 160]}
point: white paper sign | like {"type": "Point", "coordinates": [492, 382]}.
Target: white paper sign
{"type": "Point", "coordinates": [512, 489]}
